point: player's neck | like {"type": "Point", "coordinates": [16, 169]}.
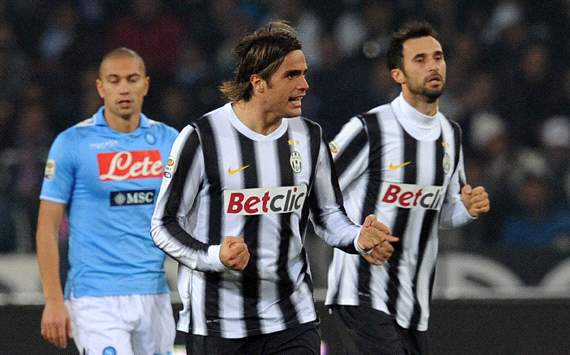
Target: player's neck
{"type": "Point", "coordinates": [420, 103]}
{"type": "Point", "coordinates": [254, 117]}
{"type": "Point", "coordinates": [122, 124]}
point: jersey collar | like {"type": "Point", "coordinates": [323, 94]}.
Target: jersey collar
{"type": "Point", "coordinates": [100, 120]}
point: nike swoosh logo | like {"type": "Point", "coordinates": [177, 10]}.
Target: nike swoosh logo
{"type": "Point", "coordinates": [393, 166]}
{"type": "Point", "coordinates": [238, 170]}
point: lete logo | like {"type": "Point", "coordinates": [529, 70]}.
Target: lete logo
{"type": "Point", "coordinates": [139, 164]}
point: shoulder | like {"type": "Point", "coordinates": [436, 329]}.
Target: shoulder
{"type": "Point", "coordinates": [76, 131]}
{"type": "Point", "coordinates": [375, 114]}
{"type": "Point", "coordinates": [305, 126]}
{"type": "Point", "coordinates": [162, 127]}
{"type": "Point", "coordinates": [451, 125]}
{"type": "Point", "coordinates": [212, 118]}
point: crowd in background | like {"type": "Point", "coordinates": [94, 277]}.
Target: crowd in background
{"type": "Point", "coordinates": [508, 65]}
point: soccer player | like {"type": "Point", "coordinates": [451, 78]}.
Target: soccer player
{"type": "Point", "coordinates": [240, 186]}
{"type": "Point", "coordinates": [401, 161]}
{"type": "Point", "coordinates": [106, 173]}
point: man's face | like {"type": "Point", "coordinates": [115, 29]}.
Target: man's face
{"type": "Point", "coordinates": [122, 84]}
{"type": "Point", "coordinates": [423, 68]}
{"type": "Point", "coordinates": [287, 86]}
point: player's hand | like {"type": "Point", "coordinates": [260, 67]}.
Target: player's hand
{"type": "Point", "coordinates": [476, 200]}
{"type": "Point", "coordinates": [56, 324]}
{"type": "Point", "coordinates": [382, 252]}
{"type": "Point", "coordinates": [374, 240]}
{"type": "Point", "coordinates": [234, 253]}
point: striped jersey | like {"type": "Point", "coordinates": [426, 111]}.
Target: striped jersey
{"type": "Point", "coordinates": [405, 168]}
{"type": "Point", "coordinates": [223, 179]}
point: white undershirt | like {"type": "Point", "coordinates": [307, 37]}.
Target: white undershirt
{"type": "Point", "coordinates": [421, 127]}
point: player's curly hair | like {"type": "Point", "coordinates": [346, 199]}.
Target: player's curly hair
{"type": "Point", "coordinates": [410, 30]}
{"type": "Point", "coordinates": [261, 53]}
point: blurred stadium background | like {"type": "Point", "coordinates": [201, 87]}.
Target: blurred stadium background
{"type": "Point", "coordinates": [503, 282]}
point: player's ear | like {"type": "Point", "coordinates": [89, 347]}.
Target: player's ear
{"type": "Point", "coordinates": [398, 76]}
{"type": "Point", "coordinates": [257, 83]}
{"type": "Point", "coordinates": [146, 84]}
{"type": "Point", "coordinates": [100, 90]}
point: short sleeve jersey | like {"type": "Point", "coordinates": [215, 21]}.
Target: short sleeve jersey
{"type": "Point", "coordinates": [109, 181]}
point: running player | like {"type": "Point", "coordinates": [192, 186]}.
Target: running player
{"type": "Point", "coordinates": [402, 162]}
{"type": "Point", "coordinates": [239, 188]}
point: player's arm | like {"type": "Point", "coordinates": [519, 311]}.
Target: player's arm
{"type": "Point", "coordinates": [334, 226]}
{"type": "Point", "coordinates": [56, 323]}
{"type": "Point", "coordinates": [184, 174]}
{"type": "Point", "coordinates": [349, 150]}
{"type": "Point", "coordinates": [462, 203]}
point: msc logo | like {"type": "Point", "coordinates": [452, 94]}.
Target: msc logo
{"type": "Point", "coordinates": [128, 198]}
{"type": "Point", "coordinates": [413, 196]}
{"type": "Point", "coordinates": [283, 199]}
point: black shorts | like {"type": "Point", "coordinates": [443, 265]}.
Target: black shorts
{"type": "Point", "coordinates": [304, 339]}
{"type": "Point", "coordinates": [364, 330]}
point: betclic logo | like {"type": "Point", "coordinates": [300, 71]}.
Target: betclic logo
{"type": "Point", "coordinates": [283, 199]}
{"type": "Point", "coordinates": [127, 165]}
{"type": "Point", "coordinates": [413, 196]}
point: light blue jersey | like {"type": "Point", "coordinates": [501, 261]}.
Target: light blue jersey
{"type": "Point", "coordinates": [109, 181]}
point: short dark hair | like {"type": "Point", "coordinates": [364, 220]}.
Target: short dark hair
{"type": "Point", "coordinates": [122, 52]}
{"type": "Point", "coordinates": [261, 53]}
{"type": "Point", "coordinates": [410, 30]}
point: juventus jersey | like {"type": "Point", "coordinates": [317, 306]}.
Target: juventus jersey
{"type": "Point", "coordinates": [223, 179]}
{"type": "Point", "coordinates": [405, 168]}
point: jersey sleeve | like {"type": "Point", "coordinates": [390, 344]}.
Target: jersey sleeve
{"type": "Point", "coordinates": [453, 212]}
{"type": "Point", "coordinates": [350, 152]}
{"type": "Point", "coordinates": [183, 175]}
{"type": "Point", "coordinates": [327, 211]}
{"type": "Point", "coordinates": [59, 174]}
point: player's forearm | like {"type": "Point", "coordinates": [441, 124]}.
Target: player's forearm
{"type": "Point", "coordinates": [48, 260]}
{"type": "Point", "coordinates": [49, 219]}
{"type": "Point", "coordinates": [187, 250]}
{"type": "Point", "coordinates": [454, 214]}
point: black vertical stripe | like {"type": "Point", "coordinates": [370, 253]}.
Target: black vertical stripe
{"type": "Point", "coordinates": [315, 203]}
{"type": "Point", "coordinates": [213, 279]}
{"type": "Point", "coordinates": [284, 284]}
{"type": "Point", "coordinates": [304, 269]}
{"type": "Point", "coordinates": [170, 221]}
{"type": "Point", "coordinates": [374, 171]}
{"type": "Point", "coordinates": [315, 144]}
{"type": "Point", "coordinates": [427, 226]}
{"type": "Point", "coordinates": [250, 275]}
{"type": "Point", "coordinates": [457, 146]}
{"type": "Point", "coordinates": [344, 159]}
{"type": "Point", "coordinates": [402, 216]}
{"type": "Point", "coordinates": [431, 281]}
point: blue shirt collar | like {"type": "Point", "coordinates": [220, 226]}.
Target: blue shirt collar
{"type": "Point", "coordinates": [100, 120]}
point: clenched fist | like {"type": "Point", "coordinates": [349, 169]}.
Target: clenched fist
{"type": "Point", "coordinates": [234, 253]}
{"type": "Point", "coordinates": [476, 200]}
{"type": "Point", "coordinates": [375, 241]}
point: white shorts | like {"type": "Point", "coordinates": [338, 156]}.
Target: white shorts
{"type": "Point", "coordinates": [123, 325]}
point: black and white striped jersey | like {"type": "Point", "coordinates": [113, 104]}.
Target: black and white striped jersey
{"type": "Point", "coordinates": [405, 168]}
{"type": "Point", "coordinates": [223, 179]}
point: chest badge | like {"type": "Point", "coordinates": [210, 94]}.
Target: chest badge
{"type": "Point", "coordinates": [150, 138]}
{"type": "Point", "coordinates": [296, 162]}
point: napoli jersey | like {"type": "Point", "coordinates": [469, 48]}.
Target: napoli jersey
{"type": "Point", "coordinates": [109, 181]}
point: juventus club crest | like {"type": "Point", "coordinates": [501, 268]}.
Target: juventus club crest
{"type": "Point", "coordinates": [296, 162]}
